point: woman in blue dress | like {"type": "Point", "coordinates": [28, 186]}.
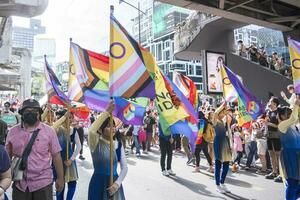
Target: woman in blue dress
{"type": "Point", "coordinates": [221, 149]}
{"type": "Point", "coordinates": [64, 138]}
{"type": "Point", "coordinates": [290, 150]}
{"type": "Point", "coordinates": [99, 143]}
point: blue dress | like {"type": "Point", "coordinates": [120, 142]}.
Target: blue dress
{"type": "Point", "coordinates": [290, 154]}
{"type": "Point", "coordinates": [72, 173]}
{"type": "Point", "coordinates": [221, 143]}
{"type": "Point", "coordinates": [100, 178]}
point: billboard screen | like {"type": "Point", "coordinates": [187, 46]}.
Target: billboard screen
{"type": "Point", "coordinates": [214, 79]}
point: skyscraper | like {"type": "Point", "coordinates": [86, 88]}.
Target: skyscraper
{"type": "Point", "coordinates": [23, 37]}
{"type": "Point", "coordinates": [158, 25]}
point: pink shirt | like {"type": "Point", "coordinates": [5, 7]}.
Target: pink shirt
{"type": "Point", "coordinates": [237, 142]}
{"type": "Point", "coordinates": [39, 170]}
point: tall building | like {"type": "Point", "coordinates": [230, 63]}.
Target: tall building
{"type": "Point", "coordinates": [157, 26]}
{"type": "Point", "coordinates": [43, 46]}
{"type": "Point", "coordinates": [270, 39]}
{"type": "Point", "coordinates": [23, 37]}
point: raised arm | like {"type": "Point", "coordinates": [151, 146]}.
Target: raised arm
{"type": "Point", "coordinates": [284, 125]}
{"type": "Point", "coordinates": [217, 112]}
{"type": "Point", "coordinates": [93, 130]}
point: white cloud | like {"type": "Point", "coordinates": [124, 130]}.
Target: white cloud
{"type": "Point", "coordinates": [87, 22]}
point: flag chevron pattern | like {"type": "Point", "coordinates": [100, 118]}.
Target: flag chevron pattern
{"type": "Point", "coordinates": [187, 87]}
{"type": "Point", "coordinates": [93, 77]}
{"type": "Point", "coordinates": [294, 49]}
{"type": "Point", "coordinates": [129, 77]}
{"type": "Point", "coordinates": [55, 95]}
{"type": "Point", "coordinates": [248, 106]}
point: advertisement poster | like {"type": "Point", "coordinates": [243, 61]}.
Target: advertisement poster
{"type": "Point", "coordinates": [214, 80]}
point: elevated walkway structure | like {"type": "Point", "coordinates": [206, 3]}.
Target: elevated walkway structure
{"type": "Point", "coordinates": [283, 15]}
{"type": "Point", "coordinates": [194, 37]}
{"type": "Point", "coordinates": [22, 8]}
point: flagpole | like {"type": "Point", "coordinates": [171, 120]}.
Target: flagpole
{"type": "Point", "coordinates": [111, 180]}
{"type": "Point", "coordinates": [67, 173]}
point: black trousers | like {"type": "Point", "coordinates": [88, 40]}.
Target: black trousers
{"type": "Point", "coordinates": [165, 150]}
{"type": "Point", "coordinates": [238, 157]}
{"type": "Point", "coordinates": [177, 140]}
{"type": "Point", "coordinates": [202, 147]}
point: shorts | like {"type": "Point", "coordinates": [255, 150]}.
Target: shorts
{"type": "Point", "coordinates": [274, 144]}
{"type": "Point", "coordinates": [261, 146]}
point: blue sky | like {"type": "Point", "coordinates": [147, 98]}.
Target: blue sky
{"type": "Point", "coordinates": [87, 22]}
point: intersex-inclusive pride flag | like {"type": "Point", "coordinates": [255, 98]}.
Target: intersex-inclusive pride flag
{"type": "Point", "coordinates": [176, 113]}
{"type": "Point", "coordinates": [129, 77]}
{"type": "Point", "coordinates": [187, 87]}
{"type": "Point", "coordinates": [229, 91]}
{"type": "Point", "coordinates": [55, 95]}
{"type": "Point", "coordinates": [189, 126]}
{"type": "Point", "coordinates": [91, 72]}
{"type": "Point", "coordinates": [131, 111]}
{"type": "Point", "coordinates": [88, 77]}
{"type": "Point", "coordinates": [294, 48]}
{"type": "Point", "coordinates": [248, 106]}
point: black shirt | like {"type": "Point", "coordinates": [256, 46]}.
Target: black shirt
{"type": "Point", "coordinates": [273, 119]}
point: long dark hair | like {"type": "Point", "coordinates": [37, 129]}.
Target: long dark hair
{"type": "Point", "coordinates": [284, 111]}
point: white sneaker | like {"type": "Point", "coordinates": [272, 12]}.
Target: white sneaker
{"type": "Point", "coordinates": [165, 173]}
{"type": "Point", "coordinates": [223, 186]}
{"type": "Point", "coordinates": [171, 172]}
{"type": "Point", "coordinates": [220, 189]}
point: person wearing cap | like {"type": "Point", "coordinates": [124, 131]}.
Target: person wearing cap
{"type": "Point", "coordinates": [292, 98]}
{"type": "Point", "coordinates": [221, 149]}
{"type": "Point", "coordinates": [99, 143]}
{"type": "Point", "coordinates": [36, 183]}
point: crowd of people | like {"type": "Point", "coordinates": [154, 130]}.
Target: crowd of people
{"type": "Point", "coordinates": [41, 147]}
{"type": "Point", "coordinates": [259, 55]}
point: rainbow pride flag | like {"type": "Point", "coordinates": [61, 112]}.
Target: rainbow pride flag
{"type": "Point", "coordinates": [88, 77]}
{"type": "Point", "coordinates": [200, 132]}
{"type": "Point", "coordinates": [187, 87]}
{"type": "Point", "coordinates": [92, 76]}
{"type": "Point", "coordinates": [128, 77]}
{"type": "Point", "coordinates": [294, 48]}
{"type": "Point", "coordinates": [248, 106]}
{"type": "Point", "coordinates": [55, 95]}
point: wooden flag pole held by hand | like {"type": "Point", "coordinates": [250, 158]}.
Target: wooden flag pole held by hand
{"type": "Point", "coordinates": [111, 181]}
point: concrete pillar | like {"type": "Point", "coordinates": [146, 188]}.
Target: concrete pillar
{"type": "Point", "coordinates": [25, 72]}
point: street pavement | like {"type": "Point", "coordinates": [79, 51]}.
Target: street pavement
{"type": "Point", "coordinates": [144, 181]}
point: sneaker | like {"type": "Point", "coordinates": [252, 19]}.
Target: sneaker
{"type": "Point", "coordinates": [220, 189]}
{"type": "Point", "coordinates": [190, 160]}
{"type": "Point", "coordinates": [247, 168]}
{"type": "Point", "coordinates": [197, 170]}
{"type": "Point", "coordinates": [278, 179]}
{"type": "Point", "coordinates": [223, 186]}
{"type": "Point", "coordinates": [81, 157]}
{"type": "Point", "coordinates": [261, 172]}
{"type": "Point", "coordinates": [171, 172]}
{"type": "Point", "coordinates": [138, 154]}
{"type": "Point", "coordinates": [165, 173]}
{"type": "Point", "coordinates": [271, 176]}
